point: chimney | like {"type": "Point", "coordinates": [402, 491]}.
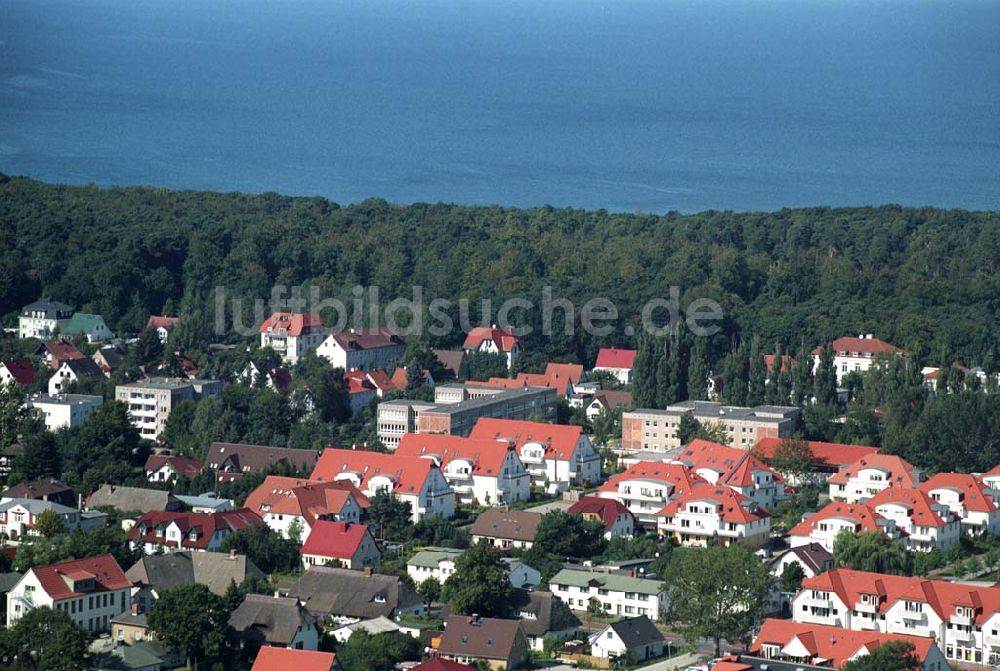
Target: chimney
{"type": "Point", "coordinates": [135, 609]}
{"type": "Point", "coordinates": [368, 571]}
{"type": "Point", "coordinates": [232, 553]}
{"type": "Point", "coordinates": [277, 594]}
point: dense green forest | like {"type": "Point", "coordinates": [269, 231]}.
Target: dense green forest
{"type": "Point", "coordinates": [925, 279]}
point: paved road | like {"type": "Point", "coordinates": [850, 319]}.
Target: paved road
{"type": "Point", "coordinates": [679, 662]}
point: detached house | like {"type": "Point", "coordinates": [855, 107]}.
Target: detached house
{"type": "Point", "coordinates": [18, 517]}
{"type": "Point", "coordinates": [43, 318]}
{"type": "Point", "coordinates": [74, 370]}
{"type": "Point", "coordinates": [362, 349]}
{"type": "Point", "coordinates": [344, 596]}
{"type": "Point", "coordinates": [272, 621]}
{"type": "Point", "coordinates": [506, 529]}
{"type": "Point", "coordinates": [55, 352]}
{"type": "Point", "coordinates": [709, 513]}
{"type": "Point", "coordinates": [493, 340]}
{"type": "Point", "coordinates": [501, 644]}
{"type": "Point", "coordinates": [350, 545]}
{"type": "Point", "coordinates": [925, 523]}
{"type": "Point", "coordinates": [291, 335]}
{"type": "Point", "coordinates": [633, 639]}
{"type": "Point", "coordinates": [231, 461]}
{"type": "Point", "coordinates": [16, 371]}
{"type": "Point", "coordinates": [92, 327]}
{"type": "Point", "coordinates": [91, 591]}
{"type": "Point", "coordinates": [556, 456]}
{"type": "Point", "coordinates": [869, 475]}
{"type": "Point", "coordinates": [163, 325]}
{"type": "Point", "coordinates": [167, 468]}
{"type": "Point", "coordinates": [282, 501]}
{"type": "Point", "coordinates": [413, 480]}
{"type": "Point", "coordinates": [613, 515]}
{"type": "Point", "coordinates": [157, 532]}
{"type": "Point", "coordinates": [617, 362]}
{"type": "Point", "coordinates": [852, 355]}
{"type": "Point", "coordinates": [543, 616]}
{"type": "Point", "coordinates": [483, 471]}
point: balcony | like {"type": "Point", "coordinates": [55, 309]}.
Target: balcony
{"type": "Point", "coordinates": [918, 617]}
{"type": "Point", "coordinates": [862, 607]}
{"type": "Point", "coordinates": [816, 602]}
{"type": "Point", "coordinates": [961, 634]}
{"type": "Point", "coordinates": [962, 620]}
{"type": "Point", "coordinates": [865, 623]}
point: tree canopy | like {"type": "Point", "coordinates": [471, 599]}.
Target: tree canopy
{"type": "Point", "coordinates": [480, 583]}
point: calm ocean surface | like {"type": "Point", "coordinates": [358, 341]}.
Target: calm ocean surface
{"type": "Point", "coordinates": [623, 105]}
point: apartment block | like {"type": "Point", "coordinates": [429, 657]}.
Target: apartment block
{"type": "Point", "coordinates": [649, 429]}
{"type": "Point", "coordinates": [150, 401]}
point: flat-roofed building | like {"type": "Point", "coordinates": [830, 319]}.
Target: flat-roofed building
{"type": "Point", "coordinates": [649, 429]}
{"type": "Point", "coordinates": [150, 401]}
{"type": "Point", "coordinates": [63, 410]}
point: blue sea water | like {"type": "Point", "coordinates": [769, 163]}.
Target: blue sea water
{"type": "Point", "coordinates": [618, 104]}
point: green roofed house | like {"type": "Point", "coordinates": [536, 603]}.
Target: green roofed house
{"type": "Point", "coordinates": [618, 594]}
{"type": "Point", "coordinates": [91, 326]}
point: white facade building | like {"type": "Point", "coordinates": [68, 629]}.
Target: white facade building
{"type": "Point", "coordinates": [617, 594]}
{"type": "Point", "coordinates": [64, 410]}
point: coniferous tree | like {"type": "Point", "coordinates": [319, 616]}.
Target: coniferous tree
{"type": "Point", "coordinates": [757, 375]}
{"type": "Point", "coordinates": [825, 382]}
{"type": "Point", "coordinates": [698, 370]}
{"type": "Point", "coordinates": [802, 377]}
{"type": "Point", "coordinates": [644, 374]}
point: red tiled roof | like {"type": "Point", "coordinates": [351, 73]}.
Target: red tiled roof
{"type": "Point", "coordinates": [104, 570]}
{"type": "Point", "coordinates": [204, 524]}
{"type": "Point", "coordinates": [296, 496]}
{"type": "Point", "coordinates": [20, 369]}
{"type": "Point", "coordinates": [504, 339]}
{"type": "Point", "coordinates": [859, 513]}
{"type": "Point", "coordinates": [974, 494]}
{"type": "Point", "coordinates": [831, 645]}
{"type": "Point", "coordinates": [408, 474]}
{"type": "Point", "coordinates": [181, 464]}
{"type": "Point", "coordinates": [610, 357]}
{"type": "Point", "coordinates": [558, 381]}
{"type": "Point", "coordinates": [381, 380]}
{"type": "Point", "coordinates": [787, 362]}
{"type": "Point", "coordinates": [559, 440]}
{"type": "Point", "coordinates": [922, 509]}
{"type": "Point", "coordinates": [735, 467]}
{"type": "Point", "coordinates": [941, 595]}
{"type": "Point", "coordinates": [607, 509]}
{"type": "Point", "coordinates": [572, 371]}
{"type": "Point", "coordinates": [825, 454]}
{"type": "Point", "coordinates": [735, 507]}
{"type": "Point", "coordinates": [334, 539]}
{"type": "Point", "coordinates": [657, 471]}
{"type": "Point", "coordinates": [900, 471]}
{"type": "Point", "coordinates": [292, 324]}
{"type": "Point", "coordinates": [290, 659]}
{"type": "Point", "coordinates": [61, 350]}
{"type": "Point", "coordinates": [159, 321]}
{"type": "Point", "coordinates": [849, 346]}
{"type": "Point", "coordinates": [358, 382]}
{"type": "Point", "coordinates": [485, 456]}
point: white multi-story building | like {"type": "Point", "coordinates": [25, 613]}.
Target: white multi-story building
{"type": "Point", "coordinates": [90, 591]}
{"type": "Point", "coordinates": [557, 456]}
{"type": "Point", "coordinates": [823, 526]}
{"type": "Point", "coordinates": [362, 349]}
{"type": "Point", "coordinates": [617, 594]}
{"type": "Point", "coordinates": [925, 523]}
{"type": "Point", "coordinates": [645, 488]}
{"type": "Point", "coordinates": [150, 401]}
{"type": "Point", "coordinates": [482, 471]}
{"type": "Point", "coordinates": [869, 475]}
{"type": "Point", "coordinates": [734, 468]}
{"type": "Point", "coordinates": [291, 334]}
{"type": "Point", "coordinates": [285, 502]}
{"type": "Point", "coordinates": [655, 429]}
{"type": "Point", "coordinates": [413, 480]}
{"type": "Point", "coordinates": [63, 410]}
{"type": "Point", "coordinates": [856, 355]}
{"type": "Point", "coordinates": [710, 513]}
{"type": "Point", "coordinates": [969, 498]}
{"type": "Point", "coordinates": [43, 318]}
{"type": "Point", "coordinates": [963, 618]}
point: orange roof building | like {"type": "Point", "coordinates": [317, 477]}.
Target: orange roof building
{"type": "Point", "coordinates": [712, 513]}
{"type": "Point", "coordinates": [870, 474]}
{"type": "Point", "coordinates": [281, 501]}
{"type": "Point", "coordinates": [292, 334]}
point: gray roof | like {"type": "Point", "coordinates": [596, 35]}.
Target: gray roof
{"type": "Point", "coordinates": [132, 499]}
{"type": "Point", "coordinates": [636, 631]}
{"type": "Point", "coordinates": [378, 625]}
{"type": "Point", "coordinates": [215, 570]}
{"type": "Point", "coordinates": [46, 305]}
{"type": "Point", "coordinates": [431, 558]}
{"type": "Point", "coordinates": [812, 555]}
{"type": "Point", "coordinates": [715, 410]}
{"type": "Point", "coordinates": [204, 501]}
{"type": "Point", "coordinates": [8, 580]}
{"type": "Point", "coordinates": [273, 619]}
{"type": "Point", "coordinates": [85, 368]}
{"type": "Point", "coordinates": [336, 591]}
{"type": "Point", "coordinates": [65, 399]}
{"type": "Point", "coordinates": [550, 614]}
{"type": "Point", "coordinates": [36, 506]}
{"type": "Point", "coordinates": [140, 655]}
